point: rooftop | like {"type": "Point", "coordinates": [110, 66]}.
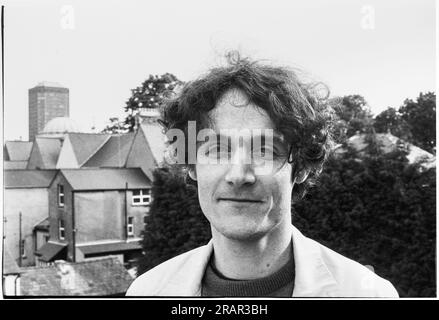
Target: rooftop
{"type": "Point", "coordinates": [61, 125]}
{"type": "Point", "coordinates": [85, 145]}
{"type": "Point", "coordinates": [10, 165]}
{"type": "Point", "coordinates": [28, 178]}
{"type": "Point", "coordinates": [156, 139]}
{"type": "Point", "coordinates": [49, 84]}
{"type": "Point", "coordinates": [106, 178]}
{"type": "Point", "coordinates": [94, 277]}
{"type": "Point", "coordinates": [113, 153]}
{"type": "Point", "coordinates": [109, 247]}
{"type": "Point", "coordinates": [17, 150]}
{"type": "Point", "coordinates": [49, 150]}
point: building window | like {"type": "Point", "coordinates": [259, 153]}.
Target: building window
{"type": "Point", "coordinates": [130, 226]}
{"type": "Point", "coordinates": [61, 230]}
{"type": "Point", "coordinates": [22, 248]}
{"type": "Point", "coordinates": [60, 195]}
{"type": "Point", "coordinates": [141, 197]}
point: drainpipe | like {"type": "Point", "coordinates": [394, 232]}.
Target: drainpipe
{"type": "Point", "coordinates": [73, 227]}
{"type": "Point", "coordinates": [126, 211]}
{"type": "Point", "coordinates": [15, 285]}
{"type": "Point", "coordinates": [19, 240]}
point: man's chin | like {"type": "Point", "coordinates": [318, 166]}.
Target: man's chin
{"type": "Point", "coordinates": [241, 234]}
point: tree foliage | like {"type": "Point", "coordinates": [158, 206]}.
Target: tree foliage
{"type": "Point", "coordinates": [353, 114]}
{"type": "Point", "coordinates": [420, 115]}
{"type": "Point", "coordinates": [414, 121]}
{"type": "Point", "coordinates": [379, 211]}
{"type": "Point", "coordinates": [149, 95]}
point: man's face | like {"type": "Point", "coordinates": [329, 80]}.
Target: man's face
{"type": "Point", "coordinates": [240, 202]}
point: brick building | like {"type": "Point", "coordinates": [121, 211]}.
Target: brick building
{"type": "Point", "coordinates": [95, 212]}
{"type": "Point", "coordinates": [46, 101]}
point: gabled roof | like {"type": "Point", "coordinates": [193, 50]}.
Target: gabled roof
{"type": "Point", "coordinates": [113, 153]}
{"type": "Point", "coordinates": [86, 145]}
{"type": "Point", "coordinates": [49, 150]}
{"type": "Point", "coordinates": [51, 251]}
{"type": "Point", "coordinates": [10, 165]}
{"type": "Point", "coordinates": [153, 132]}
{"type": "Point", "coordinates": [17, 150]}
{"type": "Point", "coordinates": [97, 277]}
{"type": "Point", "coordinates": [44, 154]}
{"type": "Point", "coordinates": [141, 154]}
{"type": "Point", "coordinates": [28, 178]}
{"type": "Point", "coordinates": [106, 178]}
{"type": "Point", "coordinates": [43, 225]}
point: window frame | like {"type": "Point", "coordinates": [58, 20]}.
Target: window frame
{"type": "Point", "coordinates": [61, 230]}
{"type": "Point", "coordinates": [23, 248]}
{"type": "Point", "coordinates": [61, 195]}
{"type": "Point", "coordinates": [130, 226]}
{"type": "Point", "coordinates": [143, 197]}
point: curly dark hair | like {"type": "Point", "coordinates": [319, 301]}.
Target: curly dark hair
{"type": "Point", "coordinates": [298, 110]}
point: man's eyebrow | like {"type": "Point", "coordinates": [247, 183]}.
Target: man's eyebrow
{"type": "Point", "coordinates": [277, 138]}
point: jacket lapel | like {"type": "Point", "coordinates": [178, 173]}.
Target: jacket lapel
{"type": "Point", "coordinates": [313, 278]}
{"type": "Point", "coordinates": [186, 280]}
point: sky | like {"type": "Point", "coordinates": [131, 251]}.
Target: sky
{"type": "Point", "coordinates": [100, 50]}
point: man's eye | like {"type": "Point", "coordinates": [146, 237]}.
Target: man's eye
{"type": "Point", "coordinates": [263, 151]}
{"type": "Point", "coordinates": [218, 150]}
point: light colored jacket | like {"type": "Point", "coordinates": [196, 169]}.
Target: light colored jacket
{"type": "Point", "coordinates": [319, 272]}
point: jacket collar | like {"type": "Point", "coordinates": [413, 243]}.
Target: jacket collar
{"type": "Point", "coordinates": [312, 279]}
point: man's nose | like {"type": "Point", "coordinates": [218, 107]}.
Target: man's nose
{"type": "Point", "coordinates": [241, 171]}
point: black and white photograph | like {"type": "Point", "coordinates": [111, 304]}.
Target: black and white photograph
{"type": "Point", "coordinates": [219, 149]}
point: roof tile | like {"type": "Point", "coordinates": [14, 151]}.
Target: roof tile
{"type": "Point", "coordinates": [97, 277]}
{"type": "Point", "coordinates": [86, 144]}
{"type": "Point", "coordinates": [18, 150]}
{"type": "Point", "coordinates": [113, 153]}
{"type": "Point", "coordinates": [106, 178]}
{"type": "Point", "coordinates": [28, 178]}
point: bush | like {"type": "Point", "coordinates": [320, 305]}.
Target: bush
{"type": "Point", "coordinates": [379, 211]}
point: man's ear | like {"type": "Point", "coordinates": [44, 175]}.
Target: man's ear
{"type": "Point", "coordinates": [192, 173]}
{"type": "Point", "coordinates": [302, 175]}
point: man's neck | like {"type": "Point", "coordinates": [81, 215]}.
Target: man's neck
{"type": "Point", "coordinates": [245, 260]}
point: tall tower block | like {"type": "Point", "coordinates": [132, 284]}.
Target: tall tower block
{"type": "Point", "coordinates": [47, 100]}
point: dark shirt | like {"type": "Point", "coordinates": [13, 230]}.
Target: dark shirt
{"type": "Point", "coordinates": [278, 284]}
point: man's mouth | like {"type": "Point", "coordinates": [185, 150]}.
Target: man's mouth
{"type": "Point", "coordinates": [239, 200]}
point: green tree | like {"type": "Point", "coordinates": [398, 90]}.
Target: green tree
{"type": "Point", "coordinates": [149, 95]}
{"type": "Point", "coordinates": [354, 116]}
{"type": "Point", "coordinates": [420, 115]}
{"type": "Point", "coordinates": [414, 121]}
{"type": "Point", "coordinates": [379, 210]}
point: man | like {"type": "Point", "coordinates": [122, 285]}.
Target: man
{"type": "Point", "coordinates": [246, 184]}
